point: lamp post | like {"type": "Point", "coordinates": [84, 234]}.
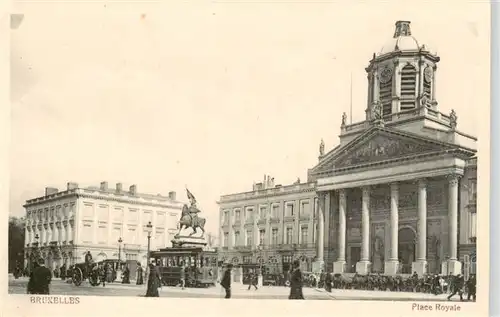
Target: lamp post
{"type": "Point", "coordinates": [119, 250]}
{"type": "Point", "coordinates": [34, 252]}
{"type": "Point", "coordinates": [149, 229]}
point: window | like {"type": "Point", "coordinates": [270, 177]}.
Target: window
{"type": "Point", "coordinates": [118, 214]}
{"type": "Point", "coordinates": [472, 191]}
{"type": "Point", "coordinates": [87, 233]}
{"type": "Point", "coordinates": [274, 236]}
{"type": "Point", "coordinates": [226, 239]}
{"type": "Point", "coordinates": [102, 234]}
{"type": "Point", "coordinates": [131, 235]}
{"type": "Point", "coordinates": [262, 235]}
{"type": "Point", "coordinates": [226, 217]}
{"type": "Point", "coordinates": [287, 259]}
{"type": "Point", "coordinates": [289, 235]}
{"type": "Point", "coordinates": [236, 238]}
{"type": "Point", "coordinates": [102, 213]}
{"type": "Point", "coordinates": [473, 223]}
{"type": "Point", "coordinates": [408, 89]}
{"type": "Point", "coordinates": [303, 235]}
{"type": "Point", "coordinates": [237, 215]}
{"type": "Point", "coordinates": [249, 214]}
{"type": "Point", "coordinates": [275, 212]}
{"type": "Point", "coordinates": [304, 209]}
{"type": "Point", "coordinates": [247, 259]}
{"type": "Point", "coordinates": [249, 238]}
{"type": "Point", "coordinates": [262, 213]}
{"type": "Point", "coordinates": [289, 210]}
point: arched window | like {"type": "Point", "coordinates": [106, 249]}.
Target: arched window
{"type": "Point", "coordinates": [408, 87]}
{"type": "Point", "coordinates": [386, 95]}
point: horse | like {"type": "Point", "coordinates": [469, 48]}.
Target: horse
{"type": "Point", "coordinates": [188, 221]}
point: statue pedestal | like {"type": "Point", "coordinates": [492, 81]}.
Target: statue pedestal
{"type": "Point", "coordinates": [187, 242]}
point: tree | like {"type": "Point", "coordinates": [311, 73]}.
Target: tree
{"type": "Point", "coordinates": [16, 242]}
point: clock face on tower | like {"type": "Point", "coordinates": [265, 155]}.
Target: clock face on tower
{"type": "Point", "coordinates": [385, 75]}
{"type": "Point", "coordinates": [428, 73]}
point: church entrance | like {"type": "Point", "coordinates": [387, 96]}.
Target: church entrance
{"type": "Point", "coordinates": [406, 249]}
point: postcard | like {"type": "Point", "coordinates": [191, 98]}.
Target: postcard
{"type": "Point", "coordinates": [296, 157]}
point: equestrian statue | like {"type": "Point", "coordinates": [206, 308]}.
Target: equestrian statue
{"type": "Point", "coordinates": [190, 218]}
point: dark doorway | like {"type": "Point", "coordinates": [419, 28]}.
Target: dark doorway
{"type": "Point", "coordinates": [406, 249]}
{"type": "Point", "coordinates": [355, 257]}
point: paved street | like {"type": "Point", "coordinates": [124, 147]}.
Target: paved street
{"type": "Point", "coordinates": [59, 287]}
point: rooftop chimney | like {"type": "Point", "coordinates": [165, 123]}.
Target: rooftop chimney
{"type": "Point", "coordinates": [50, 191]}
{"type": "Point", "coordinates": [72, 185]}
{"type": "Point", "coordinates": [104, 186]}
{"type": "Point", "coordinates": [172, 195]}
{"type": "Point", "coordinates": [119, 187]}
{"type": "Point", "coordinates": [133, 190]}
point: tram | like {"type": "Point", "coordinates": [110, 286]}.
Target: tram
{"type": "Point", "coordinates": [201, 267]}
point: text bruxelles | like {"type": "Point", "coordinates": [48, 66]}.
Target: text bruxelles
{"type": "Point", "coordinates": [55, 300]}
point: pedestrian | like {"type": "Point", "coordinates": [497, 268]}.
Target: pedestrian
{"type": "Point", "coordinates": [252, 280]}
{"type": "Point", "coordinates": [471, 287]}
{"type": "Point", "coordinates": [457, 287]}
{"type": "Point", "coordinates": [226, 281]}
{"type": "Point", "coordinates": [182, 276]}
{"type": "Point", "coordinates": [328, 282]}
{"type": "Point", "coordinates": [154, 281]}
{"type": "Point", "coordinates": [140, 279]}
{"type": "Point", "coordinates": [40, 279]}
{"type": "Point", "coordinates": [126, 275]}
{"type": "Point", "coordinates": [296, 282]}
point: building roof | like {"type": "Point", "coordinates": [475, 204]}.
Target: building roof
{"type": "Point", "coordinates": [402, 40]}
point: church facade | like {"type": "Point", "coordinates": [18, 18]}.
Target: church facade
{"type": "Point", "coordinates": [398, 193]}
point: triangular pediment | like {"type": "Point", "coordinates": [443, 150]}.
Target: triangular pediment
{"type": "Point", "coordinates": [379, 145]}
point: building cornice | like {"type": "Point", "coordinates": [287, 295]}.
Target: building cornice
{"type": "Point", "coordinates": [274, 192]}
{"type": "Point", "coordinates": [76, 194]}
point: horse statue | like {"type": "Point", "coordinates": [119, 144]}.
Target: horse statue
{"type": "Point", "coordinates": [190, 219]}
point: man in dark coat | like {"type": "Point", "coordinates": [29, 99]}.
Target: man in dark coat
{"type": "Point", "coordinates": [471, 287]}
{"type": "Point", "coordinates": [296, 282]}
{"type": "Point", "coordinates": [252, 280]}
{"type": "Point", "coordinates": [88, 260]}
{"type": "Point", "coordinates": [457, 287]}
{"type": "Point", "coordinates": [328, 282]}
{"type": "Point", "coordinates": [226, 281]}
{"type": "Point", "coordinates": [40, 279]}
{"type": "Point", "coordinates": [30, 289]}
{"type": "Point", "coordinates": [154, 281]}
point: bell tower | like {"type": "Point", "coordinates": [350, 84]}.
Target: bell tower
{"type": "Point", "coordinates": [401, 77]}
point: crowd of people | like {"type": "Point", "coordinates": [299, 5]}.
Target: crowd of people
{"type": "Point", "coordinates": [295, 279]}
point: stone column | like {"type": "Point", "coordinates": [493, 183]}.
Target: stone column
{"type": "Point", "coordinates": [319, 263]}
{"type": "Point", "coordinates": [391, 266]}
{"type": "Point", "coordinates": [70, 233]}
{"type": "Point", "coordinates": [364, 265]}
{"type": "Point", "coordinates": [420, 266]}
{"type": "Point", "coordinates": [454, 266]}
{"type": "Point", "coordinates": [340, 265]}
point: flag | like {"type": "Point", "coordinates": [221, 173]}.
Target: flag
{"type": "Point", "coordinates": [190, 197]}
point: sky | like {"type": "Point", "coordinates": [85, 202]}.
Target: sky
{"type": "Point", "coordinates": [212, 95]}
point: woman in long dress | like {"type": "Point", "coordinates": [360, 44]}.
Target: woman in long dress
{"type": "Point", "coordinates": [139, 280]}
{"type": "Point", "coordinates": [153, 281]}
{"type": "Point", "coordinates": [296, 282]}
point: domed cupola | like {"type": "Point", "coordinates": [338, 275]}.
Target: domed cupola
{"type": "Point", "coordinates": [402, 39]}
{"type": "Point", "coordinates": [401, 77]}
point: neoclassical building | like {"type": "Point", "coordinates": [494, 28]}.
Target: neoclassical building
{"type": "Point", "coordinates": [71, 222]}
{"type": "Point", "coordinates": [398, 193]}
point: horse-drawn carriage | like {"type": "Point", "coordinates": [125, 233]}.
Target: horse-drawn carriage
{"type": "Point", "coordinates": [79, 272]}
